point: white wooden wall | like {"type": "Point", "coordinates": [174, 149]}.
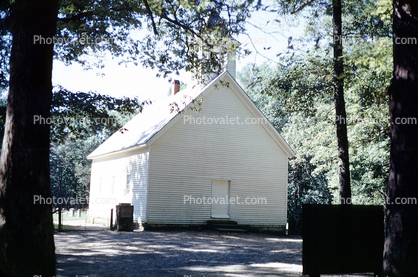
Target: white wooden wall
{"type": "Point", "coordinates": [185, 159]}
{"type": "Point", "coordinates": [112, 171]}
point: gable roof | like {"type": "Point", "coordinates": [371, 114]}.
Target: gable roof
{"type": "Point", "coordinates": [147, 126]}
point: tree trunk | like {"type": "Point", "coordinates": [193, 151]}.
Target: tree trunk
{"type": "Point", "coordinates": [26, 229]}
{"type": "Point", "coordinates": [341, 117]}
{"type": "Point", "coordinates": [401, 242]}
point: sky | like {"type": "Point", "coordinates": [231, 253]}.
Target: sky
{"type": "Point", "coordinates": [136, 81]}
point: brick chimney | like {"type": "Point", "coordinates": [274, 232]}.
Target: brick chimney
{"type": "Point", "coordinates": [176, 86]}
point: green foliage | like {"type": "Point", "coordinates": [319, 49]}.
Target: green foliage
{"type": "Point", "coordinates": [81, 122]}
{"type": "Point", "coordinates": [76, 116]}
{"type": "Point", "coordinates": [254, 78]}
{"type": "Point", "coordinates": [70, 170]}
{"type": "Point", "coordinates": [69, 167]}
{"type": "Point", "coordinates": [384, 10]}
{"type": "Point", "coordinates": [304, 188]}
{"type": "Point", "coordinates": [299, 90]}
{"type": "Point", "coordinates": [3, 106]}
{"type": "Point", "coordinates": [80, 114]}
{"type": "Point", "coordinates": [167, 35]}
{"type": "Point", "coordinates": [361, 18]}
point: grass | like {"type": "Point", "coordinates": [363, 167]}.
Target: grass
{"type": "Point", "coordinates": [66, 227]}
{"type": "Point", "coordinates": [65, 217]}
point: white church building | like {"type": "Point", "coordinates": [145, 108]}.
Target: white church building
{"type": "Point", "coordinates": [205, 153]}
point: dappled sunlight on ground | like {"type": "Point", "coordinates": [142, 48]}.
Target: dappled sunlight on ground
{"type": "Point", "coordinates": [177, 253]}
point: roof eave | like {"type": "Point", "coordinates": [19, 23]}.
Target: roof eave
{"type": "Point", "coordinates": [121, 151]}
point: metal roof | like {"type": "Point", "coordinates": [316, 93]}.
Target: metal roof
{"type": "Point", "coordinates": [139, 130]}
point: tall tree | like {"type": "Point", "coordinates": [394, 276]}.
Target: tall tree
{"type": "Point", "coordinates": [26, 230]}
{"type": "Point", "coordinates": [179, 29]}
{"type": "Point", "coordinates": [315, 7]}
{"type": "Point", "coordinates": [340, 113]}
{"type": "Point", "coordinates": [401, 243]}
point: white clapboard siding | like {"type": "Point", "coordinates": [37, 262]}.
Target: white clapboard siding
{"type": "Point", "coordinates": [139, 177]}
{"type": "Point", "coordinates": [109, 180]}
{"type": "Point", "coordinates": [187, 157]}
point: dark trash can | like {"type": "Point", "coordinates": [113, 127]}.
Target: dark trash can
{"type": "Point", "coordinates": [125, 217]}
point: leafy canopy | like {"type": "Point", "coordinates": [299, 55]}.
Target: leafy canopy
{"type": "Point", "coordinates": [297, 95]}
{"type": "Point", "coordinates": [167, 35]}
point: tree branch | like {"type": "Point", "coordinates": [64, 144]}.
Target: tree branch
{"type": "Point", "coordinates": [256, 50]}
{"type": "Point", "coordinates": [85, 14]}
{"type": "Point", "coordinates": [75, 17]}
{"type": "Point", "coordinates": [375, 137]}
{"type": "Point", "coordinates": [179, 24]}
{"type": "Point", "coordinates": [154, 27]}
{"type": "Point", "coordinates": [301, 7]}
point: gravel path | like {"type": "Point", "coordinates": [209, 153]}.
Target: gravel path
{"type": "Point", "coordinates": [176, 253]}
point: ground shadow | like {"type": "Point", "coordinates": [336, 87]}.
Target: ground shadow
{"type": "Point", "coordinates": [177, 253]}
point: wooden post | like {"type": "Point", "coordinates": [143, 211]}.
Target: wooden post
{"type": "Point", "coordinates": [59, 220]}
{"type": "Point", "coordinates": [111, 218]}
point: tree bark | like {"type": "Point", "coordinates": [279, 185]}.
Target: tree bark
{"type": "Point", "coordinates": [401, 242]}
{"type": "Point", "coordinates": [26, 228]}
{"type": "Point", "coordinates": [340, 113]}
